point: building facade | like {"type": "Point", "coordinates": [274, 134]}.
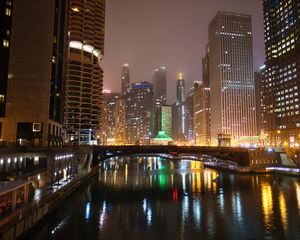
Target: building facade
{"type": "Point", "coordinates": [281, 81]}
{"type": "Point", "coordinates": [231, 77]}
{"type": "Point", "coordinates": [108, 123]}
{"type": "Point", "coordinates": [188, 105]}
{"type": "Point", "coordinates": [120, 122]}
{"type": "Point", "coordinates": [125, 77]}
{"type": "Point", "coordinates": [160, 85]}
{"type": "Point", "coordinates": [139, 104]}
{"type": "Point", "coordinates": [202, 108]}
{"type": "Point", "coordinates": [258, 93]}
{"type": "Point", "coordinates": [34, 105]}
{"type": "Point", "coordinates": [84, 76]}
{"type": "Point", "coordinates": [163, 120]}
{"type": "Point", "coordinates": [6, 8]}
{"type": "Point", "coordinates": [178, 115]}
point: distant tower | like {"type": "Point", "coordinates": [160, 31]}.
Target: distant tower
{"type": "Point", "coordinates": [180, 90]}
{"type": "Point", "coordinates": [231, 78]}
{"type": "Point", "coordinates": [160, 85]}
{"type": "Point", "coordinates": [125, 79]}
{"type": "Point", "coordinates": [179, 111]}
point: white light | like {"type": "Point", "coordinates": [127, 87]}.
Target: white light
{"type": "Point", "coordinates": [1, 161]}
{"type": "Point", "coordinates": [8, 161]}
{"type": "Point", "coordinates": [38, 176]}
{"type": "Point", "coordinates": [21, 159]}
{"type": "Point", "coordinates": [88, 48]}
{"type": "Point", "coordinates": [15, 160]}
{"type": "Point", "coordinates": [76, 45]}
{"type": "Point", "coordinates": [55, 174]}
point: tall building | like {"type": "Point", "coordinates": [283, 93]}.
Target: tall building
{"type": "Point", "coordinates": [189, 116]}
{"type": "Point", "coordinates": [34, 105]}
{"type": "Point", "coordinates": [163, 120]}
{"type": "Point", "coordinates": [178, 115]}
{"type": "Point", "coordinates": [160, 85]}
{"type": "Point", "coordinates": [125, 79]}
{"type": "Point", "coordinates": [258, 93]}
{"type": "Point", "coordinates": [108, 123]}
{"type": "Point", "coordinates": [84, 76]}
{"type": "Point", "coordinates": [139, 103]}
{"type": "Point", "coordinates": [202, 108]}
{"type": "Point", "coordinates": [281, 81]}
{"type": "Point", "coordinates": [231, 77]}
{"type": "Point", "coordinates": [120, 122]}
{"type": "Point", "coordinates": [5, 35]}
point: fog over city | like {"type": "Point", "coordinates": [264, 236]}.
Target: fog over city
{"type": "Point", "coordinates": [172, 33]}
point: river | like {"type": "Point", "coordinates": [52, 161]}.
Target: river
{"type": "Point", "coordinates": [155, 198]}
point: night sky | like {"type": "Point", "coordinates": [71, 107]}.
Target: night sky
{"type": "Point", "coordinates": [147, 34]}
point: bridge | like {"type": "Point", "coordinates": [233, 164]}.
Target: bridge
{"type": "Point", "coordinates": [240, 156]}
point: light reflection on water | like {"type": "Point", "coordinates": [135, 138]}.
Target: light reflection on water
{"type": "Point", "coordinates": [155, 198]}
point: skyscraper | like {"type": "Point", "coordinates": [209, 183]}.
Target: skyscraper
{"type": "Point", "coordinates": [258, 93]}
{"type": "Point", "coordinates": [84, 76]}
{"type": "Point", "coordinates": [281, 80]}
{"type": "Point", "coordinates": [163, 120]}
{"type": "Point", "coordinates": [189, 116]}
{"type": "Point", "coordinates": [120, 121]}
{"type": "Point", "coordinates": [35, 88]}
{"type": "Point", "coordinates": [179, 111]}
{"type": "Point", "coordinates": [231, 77]}
{"type": "Point", "coordinates": [160, 85]}
{"type": "Point", "coordinates": [202, 108]}
{"type": "Point", "coordinates": [5, 35]}
{"type": "Point", "coordinates": [180, 90]}
{"type": "Point", "coordinates": [125, 79]}
{"type": "Point", "coordinates": [108, 123]}
{"type": "Point", "coordinates": [139, 103]}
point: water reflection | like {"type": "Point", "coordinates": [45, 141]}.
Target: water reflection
{"type": "Point", "coordinates": [297, 186]}
{"type": "Point", "coordinates": [267, 203]}
{"type": "Point", "coordinates": [157, 198]}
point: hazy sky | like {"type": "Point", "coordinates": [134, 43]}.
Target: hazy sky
{"type": "Point", "coordinates": [147, 34]}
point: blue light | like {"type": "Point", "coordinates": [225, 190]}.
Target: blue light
{"type": "Point", "coordinates": [88, 211]}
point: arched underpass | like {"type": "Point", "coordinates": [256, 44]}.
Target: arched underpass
{"type": "Point", "coordinates": [238, 155]}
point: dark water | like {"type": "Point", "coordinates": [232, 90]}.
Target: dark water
{"type": "Point", "coordinates": [154, 198]}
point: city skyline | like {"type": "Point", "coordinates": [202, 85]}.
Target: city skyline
{"type": "Point", "coordinates": [160, 43]}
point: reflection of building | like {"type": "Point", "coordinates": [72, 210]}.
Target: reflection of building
{"type": "Point", "coordinates": [84, 77]}
{"type": "Point", "coordinates": [34, 105]}
{"type": "Point", "coordinates": [231, 79]}
{"type": "Point", "coordinates": [281, 80]}
{"type": "Point", "coordinates": [139, 103]}
{"type": "Point", "coordinates": [125, 79]}
{"type": "Point", "coordinates": [202, 109]}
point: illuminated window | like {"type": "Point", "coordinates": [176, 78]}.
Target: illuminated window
{"type": "Point", "coordinates": [2, 98]}
{"type": "Point", "coordinates": [5, 43]}
{"type": "Point", "coordinates": [7, 12]}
